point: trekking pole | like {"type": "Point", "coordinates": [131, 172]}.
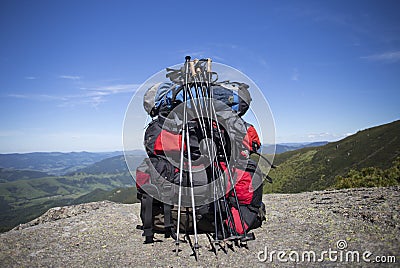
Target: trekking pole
{"type": "Point", "coordinates": [207, 74]}
{"type": "Point", "coordinates": [244, 237]}
{"type": "Point", "coordinates": [216, 204]}
{"type": "Point", "coordinates": [197, 69]}
{"type": "Point", "coordinates": [266, 176]}
{"type": "Point", "coordinates": [200, 114]}
{"type": "Point", "coordinates": [230, 220]}
{"type": "Point", "coordinates": [201, 100]}
{"type": "Point", "coordinates": [230, 223]}
{"type": "Point", "coordinates": [266, 159]}
{"type": "Point", "coordinates": [196, 243]}
{"type": "Point", "coordinates": [215, 213]}
{"type": "Point", "coordinates": [183, 129]}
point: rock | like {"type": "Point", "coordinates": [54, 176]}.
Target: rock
{"type": "Point", "coordinates": [103, 234]}
{"type": "Point", "coordinates": [58, 213]}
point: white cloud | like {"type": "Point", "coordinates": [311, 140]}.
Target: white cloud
{"type": "Point", "coordinates": [94, 101]}
{"type": "Point", "coordinates": [38, 97]}
{"type": "Point", "coordinates": [320, 135]}
{"type": "Point", "coordinates": [115, 89]}
{"type": "Point", "coordinates": [70, 77]}
{"type": "Point", "coordinates": [30, 77]}
{"type": "Point", "coordinates": [390, 57]}
{"type": "Point", "coordinates": [93, 96]}
{"type": "Point", "coordinates": [18, 96]}
{"type": "Point", "coordinates": [96, 96]}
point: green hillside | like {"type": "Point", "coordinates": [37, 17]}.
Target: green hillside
{"type": "Point", "coordinates": [8, 174]}
{"type": "Point", "coordinates": [21, 191]}
{"type": "Point", "coordinates": [111, 165]}
{"type": "Point", "coordinates": [310, 169]}
{"type": "Point", "coordinates": [25, 194]}
{"type": "Point", "coordinates": [23, 200]}
{"type": "Point", "coordinates": [119, 195]}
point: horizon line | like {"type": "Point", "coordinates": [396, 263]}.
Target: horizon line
{"type": "Point", "coordinates": [137, 149]}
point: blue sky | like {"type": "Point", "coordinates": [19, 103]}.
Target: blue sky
{"type": "Point", "coordinates": [68, 69]}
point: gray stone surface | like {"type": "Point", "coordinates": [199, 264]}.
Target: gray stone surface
{"type": "Point", "coordinates": [103, 234]}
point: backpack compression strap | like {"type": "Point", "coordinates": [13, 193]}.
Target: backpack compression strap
{"type": "Point", "coordinates": [147, 205]}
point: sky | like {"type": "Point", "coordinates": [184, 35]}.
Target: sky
{"type": "Point", "coordinates": [68, 69]}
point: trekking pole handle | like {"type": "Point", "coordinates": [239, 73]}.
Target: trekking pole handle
{"type": "Point", "coordinates": [187, 61]}
{"type": "Point", "coordinates": [192, 70]}
{"type": "Point", "coordinates": [209, 65]}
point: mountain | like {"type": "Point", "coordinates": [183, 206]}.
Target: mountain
{"type": "Point", "coordinates": [22, 200]}
{"type": "Point", "coordinates": [25, 194]}
{"type": "Point", "coordinates": [286, 147]}
{"type": "Point", "coordinates": [111, 165]}
{"type": "Point", "coordinates": [119, 195]}
{"type": "Point", "coordinates": [53, 163]}
{"type": "Point", "coordinates": [8, 174]}
{"type": "Point", "coordinates": [315, 168]}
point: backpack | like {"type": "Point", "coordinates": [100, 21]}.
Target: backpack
{"type": "Point", "coordinates": [239, 206]}
{"type": "Point", "coordinates": [158, 95]}
{"type": "Point", "coordinates": [155, 215]}
{"type": "Point", "coordinates": [158, 216]}
{"type": "Point", "coordinates": [251, 141]}
{"type": "Point", "coordinates": [163, 97]}
{"type": "Point", "coordinates": [233, 94]}
{"type": "Point", "coordinates": [159, 141]}
{"type": "Point", "coordinates": [248, 189]}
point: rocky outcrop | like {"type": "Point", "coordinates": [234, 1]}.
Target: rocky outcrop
{"type": "Point", "coordinates": [58, 213]}
{"type": "Point", "coordinates": [328, 228]}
